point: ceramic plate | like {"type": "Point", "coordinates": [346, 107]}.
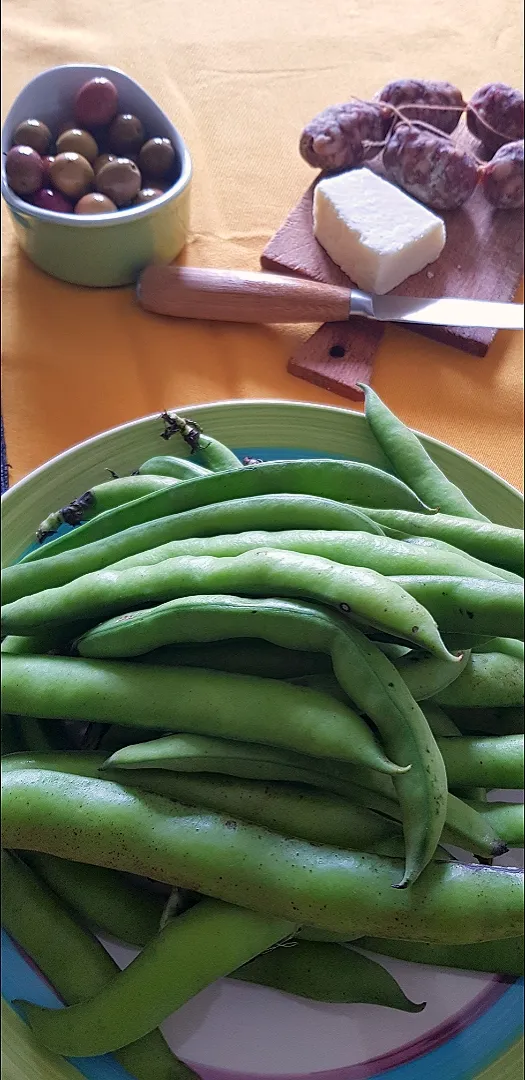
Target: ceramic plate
{"type": "Point", "coordinates": [471, 1028]}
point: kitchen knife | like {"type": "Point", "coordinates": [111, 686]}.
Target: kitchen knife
{"type": "Point", "coordinates": [240, 296]}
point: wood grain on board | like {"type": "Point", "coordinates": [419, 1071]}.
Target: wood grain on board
{"type": "Point", "coordinates": [482, 260]}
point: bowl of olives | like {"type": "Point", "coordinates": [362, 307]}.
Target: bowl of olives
{"type": "Point", "coordinates": [96, 177]}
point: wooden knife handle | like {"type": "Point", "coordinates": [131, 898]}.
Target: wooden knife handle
{"type": "Point", "coordinates": [238, 296]}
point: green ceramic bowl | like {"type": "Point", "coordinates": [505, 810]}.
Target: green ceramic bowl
{"type": "Point", "coordinates": [98, 249]}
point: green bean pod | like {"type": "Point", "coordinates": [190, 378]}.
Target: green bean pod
{"type": "Point", "coordinates": [210, 940]}
{"type": "Point", "coordinates": [74, 962]}
{"type": "Point", "coordinates": [351, 549]}
{"type": "Point", "coordinates": [215, 454]}
{"type": "Point", "coordinates": [362, 594]}
{"type": "Point", "coordinates": [426, 676]}
{"type": "Point", "coordinates": [499, 545]}
{"type": "Point", "coordinates": [489, 679]}
{"type": "Point", "coordinates": [108, 825]}
{"type": "Point", "coordinates": [480, 566]}
{"type": "Point", "coordinates": [321, 971]}
{"type": "Point", "coordinates": [202, 702]}
{"type": "Point", "coordinates": [502, 957]}
{"type": "Point", "coordinates": [288, 809]}
{"type": "Point", "coordinates": [168, 465]}
{"type": "Point", "coordinates": [506, 818]}
{"type": "Point", "coordinates": [495, 761]}
{"type": "Point", "coordinates": [104, 899]}
{"type": "Point", "coordinates": [106, 496]}
{"type": "Point", "coordinates": [412, 463]}
{"type": "Point", "coordinates": [280, 511]}
{"type": "Point", "coordinates": [464, 826]}
{"type": "Point", "coordinates": [509, 646]}
{"type": "Point", "coordinates": [469, 605]}
{"type": "Point", "coordinates": [344, 481]}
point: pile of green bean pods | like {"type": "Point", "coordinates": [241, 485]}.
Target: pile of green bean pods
{"type": "Point", "coordinates": [252, 714]}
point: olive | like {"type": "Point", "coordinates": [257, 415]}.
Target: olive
{"type": "Point", "coordinates": [47, 162]}
{"type": "Point", "coordinates": [94, 203]}
{"type": "Point", "coordinates": [156, 157]}
{"type": "Point", "coordinates": [33, 133]}
{"type": "Point", "coordinates": [120, 180]}
{"type": "Point", "coordinates": [126, 135]}
{"type": "Point", "coordinates": [47, 199]}
{"type": "Point", "coordinates": [71, 174]}
{"type": "Point", "coordinates": [102, 160]}
{"type": "Point", "coordinates": [147, 194]}
{"type": "Point", "coordinates": [79, 142]}
{"type": "Point", "coordinates": [24, 170]}
{"type": "Point", "coordinates": [96, 102]}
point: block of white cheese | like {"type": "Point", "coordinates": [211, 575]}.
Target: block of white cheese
{"type": "Point", "coordinates": [376, 233]}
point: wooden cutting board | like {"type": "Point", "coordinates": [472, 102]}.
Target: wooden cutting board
{"type": "Point", "coordinates": [482, 259]}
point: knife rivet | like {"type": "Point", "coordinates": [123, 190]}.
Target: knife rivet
{"type": "Point", "coordinates": [337, 351]}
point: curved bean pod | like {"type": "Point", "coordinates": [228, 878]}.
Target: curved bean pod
{"type": "Point", "coordinates": [167, 465]}
{"type": "Point", "coordinates": [344, 481]}
{"type": "Point", "coordinates": [351, 549]}
{"type": "Point", "coordinates": [102, 898]}
{"type": "Point", "coordinates": [468, 605]}
{"type": "Point", "coordinates": [499, 545]}
{"type": "Point", "coordinates": [233, 515]}
{"type": "Point", "coordinates": [411, 461]}
{"type": "Point", "coordinates": [488, 679]}
{"type": "Point", "coordinates": [106, 496]}
{"type": "Point", "coordinates": [503, 957]}
{"type": "Point", "coordinates": [363, 594]}
{"type": "Point", "coordinates": [75, 962]}
{"type": "Point", "coordinates": [190, 952]}
{"type": "Point", "coordinates": [322, 971]}
{"type": "Point", "coordinates": [290, 624]}
{"type": "Point", "coordinates": [291, 879]}
{"type": "Point", "coordinates": [202, 702]}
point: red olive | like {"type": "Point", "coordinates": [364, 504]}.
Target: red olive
{"type": "Point", "coordinates": [156, 158]}
{"type": "Point", "coordinates": [96, 102]}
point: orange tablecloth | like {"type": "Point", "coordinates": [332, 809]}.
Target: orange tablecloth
{"type": "Point", "coordinates": [240, 78]}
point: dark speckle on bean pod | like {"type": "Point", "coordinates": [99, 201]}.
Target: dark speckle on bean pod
{"type": "Point", "coordinates": [405, 94]}
{"type": "Point", "coordinates": [336, 138]}
{"type": "Point", "coordinates": [429, 167]}
{"type": "Point", "coordinates": [502, 178]}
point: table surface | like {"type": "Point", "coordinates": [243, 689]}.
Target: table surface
{"type": "Point", "coordinates": [240, 78]}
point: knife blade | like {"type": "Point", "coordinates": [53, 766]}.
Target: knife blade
{"type": "Point", "coordinates": [437, 312]}
{"type": "Point", "coordinates": [240, 296]}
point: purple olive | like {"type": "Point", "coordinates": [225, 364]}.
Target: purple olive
{"type": "Point", "coordinates": [47, 199]}
{"type": "Point", "coordinates": [24, 170]}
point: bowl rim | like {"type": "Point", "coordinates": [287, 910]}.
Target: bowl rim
{"type": "Point", "coordinates": [243, 403]}
{"type": "Point", "coordinates": [116, 217]}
